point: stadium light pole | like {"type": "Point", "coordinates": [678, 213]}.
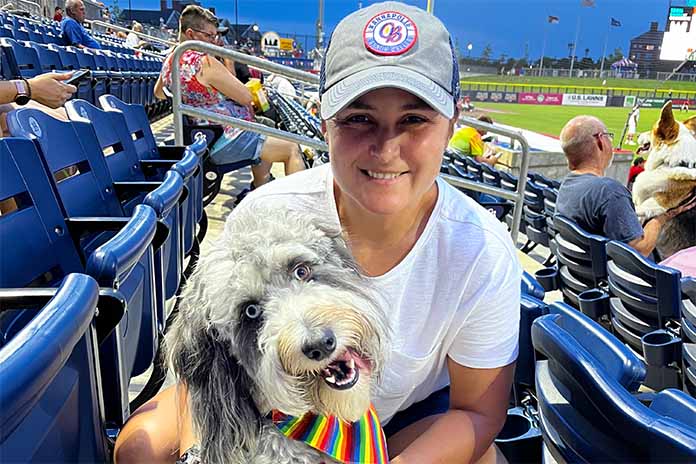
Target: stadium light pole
{"type": "Point", "coordinates": [604, 52]}
{"type": "Point", "coordinates": [469, 46]}
{"type": "Point", "coordinates": [575, 47]}
{"type": "Point", "coordinates": [543, 52]}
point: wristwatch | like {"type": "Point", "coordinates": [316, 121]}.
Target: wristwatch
{"type": "Point", "coordinates": [23, 92]}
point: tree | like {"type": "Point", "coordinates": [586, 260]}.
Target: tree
{"type": "Point", "coordinates": [616, 56]}
{"type": "Point", "coordinates": [487, 52]}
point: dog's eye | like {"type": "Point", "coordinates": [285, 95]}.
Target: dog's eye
{"type": "Point", "coordinates": [252, 311]}
{"type": "Point", "coordinates": [302, 272]}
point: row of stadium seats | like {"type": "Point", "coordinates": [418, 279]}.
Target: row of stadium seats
{"type": "Point", "coordinates": [45, 31]}
{"type": "Point", "coordinates": [128, 78]}
{"type": "Point", "coordinates": [582, 361]}
{"type": "Point", "coordinates": [108, 203]}
{"type": "Point", "coordinates": [649, 307]}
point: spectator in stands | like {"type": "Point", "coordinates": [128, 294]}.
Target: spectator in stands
{"type": "Point", "coordinates": [468, 141]}
{"type": "Point", "coordinates": [455, 340]}
{"type": "Point", "coordinates": [58, 14]}
{"type": "Point", "coordinates": [637, 167]}
{"type": "Point", "coordinates": [46, 92]}
{"type": "Point", "coordinates": [134, 41]}
{"type": "Point", "coordinates": [71, 28]}
{"type": "Point", "coordinates": [208, 84]}
{"type": "Point", "coordinates": [599, 204]}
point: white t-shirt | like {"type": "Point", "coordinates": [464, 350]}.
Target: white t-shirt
{"type": "Point", "coordinates": [456, 293]}
{"type": "Point", "coordinates": [132, 40]}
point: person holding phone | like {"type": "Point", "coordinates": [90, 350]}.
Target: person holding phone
{"type": "Point", "coordinates": [48, 92]}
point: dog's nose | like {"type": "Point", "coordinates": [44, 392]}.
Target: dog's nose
{"type": "Point", "coordinates": [321, 348]}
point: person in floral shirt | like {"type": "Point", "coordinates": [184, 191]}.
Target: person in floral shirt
{"type": "Point", "coordinates": [207, 84]}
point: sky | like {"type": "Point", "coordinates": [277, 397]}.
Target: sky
{"type": "Point", "coordinates": [510, 27]}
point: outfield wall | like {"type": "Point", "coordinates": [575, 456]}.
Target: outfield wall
{"type": "Point", "coordinates": [569, 99]}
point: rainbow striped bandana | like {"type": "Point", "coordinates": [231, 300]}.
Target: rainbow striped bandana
{"type": "Point", "coordinates": [358, 442]}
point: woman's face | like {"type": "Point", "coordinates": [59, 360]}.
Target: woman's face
{"type": "Point", "coordinates": [386, 149]}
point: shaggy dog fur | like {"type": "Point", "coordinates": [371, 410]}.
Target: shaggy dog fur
{"type": "Point", "coordinates": [269, 314]}
{"type": "Point", "coordinates": [669, 180]}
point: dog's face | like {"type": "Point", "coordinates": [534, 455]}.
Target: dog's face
{"type": "Point", "coordinates": [673, 146]}
{"type": "Point", "coordinates": [282, 294]}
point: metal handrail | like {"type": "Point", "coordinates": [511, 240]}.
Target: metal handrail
{"type": "Point", "coordinates": [179, 109]}
{"type": "Point", "coordinates": [31, 5]}
{"type": "Point", "coordinates": [105, 25]}
{"type": "Point", "coordinates": [518, 195]}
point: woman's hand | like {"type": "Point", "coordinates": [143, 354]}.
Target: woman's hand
{"type": "Point", "coordinates": [48, 89]}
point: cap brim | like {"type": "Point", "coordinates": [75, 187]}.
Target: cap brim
{"type": "Point", "coordinates": [352, 87]}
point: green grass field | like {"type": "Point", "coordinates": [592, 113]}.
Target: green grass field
{"type": "Point", "coordinates": [645, 84]}
{"type": "Point", "coordinates": [551, 119]}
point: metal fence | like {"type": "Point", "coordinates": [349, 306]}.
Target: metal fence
{"type": "Point", "coordinates": [179, 110]}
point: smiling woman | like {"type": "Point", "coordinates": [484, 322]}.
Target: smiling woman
{"type": "Point", "coordinates": [444, 267]}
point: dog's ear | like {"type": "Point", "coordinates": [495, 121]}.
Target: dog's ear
{"type": "Point", "coordinates": [667, 128]}
{"type": "Point", "coordinates": [691, 124]}
{"type": "Point", "coordinates": [222, 410]}
{"type": "Point", "coordinates": [224, 416]}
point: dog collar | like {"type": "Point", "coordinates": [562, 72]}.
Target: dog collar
{"type": "Point", "coordinates": [362, 441]}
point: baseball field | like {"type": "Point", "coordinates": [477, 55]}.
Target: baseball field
{"type": "Point", "coordinates": [550, 119]}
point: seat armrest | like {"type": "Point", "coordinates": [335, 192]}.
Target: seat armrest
{"type": "Point", "coordinates": [188, 165]}
{"type": "Point", "coordinates": [166, 195]}
{"type": "Point", "coordinates": [113, 260]}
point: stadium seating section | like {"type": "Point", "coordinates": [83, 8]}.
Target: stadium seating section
{"type": "Point", "coordinates": [29, 47]}
{"type": "Point", "coordinates": [100, 230]}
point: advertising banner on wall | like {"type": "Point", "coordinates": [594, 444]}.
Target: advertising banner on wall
{"type": "Point", "coordinates": [629, 101]}
{"type": "Point", "coordinates": [579, 99]}
{"type": "Point", "coordinates": [616, 100]}
{"type": "Point", "coordinates": [534, 98]}
{"type": "Point", "coordinates": [488, 96]}
{"type": "Point", "coordinates": [653, 103]}
{"type": "Point", "coordinates": [678, 102]}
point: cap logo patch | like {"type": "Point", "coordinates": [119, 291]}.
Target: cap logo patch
{"type": "Point", "coordinates": [390, 33]}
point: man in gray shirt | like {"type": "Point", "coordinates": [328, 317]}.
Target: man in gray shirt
{"type": "Point", "coordinates": [598, 204]}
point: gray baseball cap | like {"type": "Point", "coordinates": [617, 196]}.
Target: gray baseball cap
{"type": "Point", "coordinates": [389, 44]}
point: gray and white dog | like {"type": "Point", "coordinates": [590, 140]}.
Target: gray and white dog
{"type": "Point", "coordinates": [276, 316]}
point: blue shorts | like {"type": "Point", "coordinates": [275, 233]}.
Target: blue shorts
{"type": "Point", "coordinates": [246, 146]}
{"type": "Point", "coordinates": [436, 403]}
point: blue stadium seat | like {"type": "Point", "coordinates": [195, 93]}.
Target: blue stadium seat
{"type": "Point", "coordinates": [50, 403]}
{"type": "Point", "coordinates": [530, 309]}
{"type": "Point", "coordinates": [586, 388]}
{"type": "Point", "coordinates": [688, 327]}
{"type": "Point", "coordinates": [124, 166]}
{"type": "Point", "coordinates": [581, 259]}
{"type": "Point", "coordinates": [46, 247]}
{"type": "Point", "coordinates": [190, 167]}
{"type": "Point", "coordinates": [49, 59]}
{"type": "Point", "coordinates": [18, 60]}
{"type": "Point", "coordinates": [645, 306]}
{"type": "Point", "coordinates": [85, 188]}
{"type": "Point", "coordinates": [534, 217]}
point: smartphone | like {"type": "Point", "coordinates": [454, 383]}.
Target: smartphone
{"type": "Point", "coordinates": [78, 76]}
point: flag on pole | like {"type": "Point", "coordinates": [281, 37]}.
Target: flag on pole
{"type": "Point", "coordinates": [615, 22]}
{"type": "Point", "coordinates": [587, 2]}
{"type": "Point", "coordinates": [553, 19]}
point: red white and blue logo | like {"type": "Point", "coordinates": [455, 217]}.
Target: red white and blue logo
{"type": "Point", "coordinates": [390, 33]}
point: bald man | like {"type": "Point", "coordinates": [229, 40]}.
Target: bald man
{"type": "Point", "coordinates": [599, 204]}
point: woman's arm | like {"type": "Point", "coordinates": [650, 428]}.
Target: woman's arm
{"type": "Point", "coordinates": [215, 74]}
{"type": "Point", "coordinates": [159, 88]}
{"type": "Point", "coordinates": [478, 407]}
